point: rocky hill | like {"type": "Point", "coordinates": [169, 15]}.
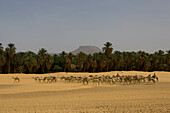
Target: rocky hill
{"type": "Point", "coordinates": [87, 50]}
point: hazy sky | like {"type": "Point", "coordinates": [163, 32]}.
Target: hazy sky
{"type": "Point", "coordinates": [64, 25]}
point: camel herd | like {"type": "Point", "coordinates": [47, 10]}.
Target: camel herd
{"type": "Point", "coordinates": [50, 79]}
{"type": "Point", "coordinates": [97, 80]}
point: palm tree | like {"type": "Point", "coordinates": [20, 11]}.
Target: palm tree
{"type": "Point", "coordinates": [16, 62]}
{"type": "Point", "coordinates": [108, 49]}
{"type": "Point", "coordinates": [20, 69]}
{"type": "Point", "coordinates": [132, 56]}
{"type": "Point", "coordinates": [168, 60]}
{"type": "Point", "coordinates": [109, 64]}
{"type": "Point", "coordinates": [62, 60]}
{"type": "Point", "coordinates": [38, 64]}
{"type": "Point", "coordinates": [68, 62]}
{"type": "Point", "coordinates": [56, 68]}
{"type": "Point", "coordinates": [2, 58]}
{"type": "Point", "coordinates": [146, 63]}
{"type": "Point", "coordinates": [2, 62]}
{"type": "Point", "coordinates": [153, 62]}
{"type": "Point", "coordinates": [49, 61]}
{"type": "Point", "coordinates": [94, 65]}
{"type": "Point", "coordinates": [126, 59]}
{"type": "Point", "coordinates": [102, 61]}
{"type": "Point", "coordinates": [168, 51]}
{"type": "Point", "coordinates": [118, 59]}
{"type": "Point", "coordinates": [63, 54]}
{"type": "Point", "coordinates": [129, 60]}
{"type": "Point", "coordinates": [81, 57]}
{"type": "Point", "coordinates": [30, 62]}
{"type": "Point", "coordinates": [70, 56]}
{"type": "Point", "coordinates": [88, 63]}
{"type": "Point", "coordinates": [102, 64]}
{"type": "Point", "coordinates": [42, 54]}
{"type": "Point", "coordinates": [160, 59]}
{"type": "Point", "coordinates": [140, 60]}
{"type": "Point", "coordinates": [10, 51]}
{"type": "Point", "coordinates": [1, 48]}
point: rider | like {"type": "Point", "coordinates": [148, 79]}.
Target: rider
{"type": "Point", "coordinates": [149, 76]}
{"type": "Point", "coordinates": [154, 75]}
{"type": "Point", "coordinates": [117, 75]}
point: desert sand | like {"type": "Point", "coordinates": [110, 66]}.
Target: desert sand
{"type": "Point", "coordinates": [30, 97]}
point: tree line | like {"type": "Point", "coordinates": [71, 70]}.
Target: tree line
{"type": "Point", "coordinates": [42, 62]}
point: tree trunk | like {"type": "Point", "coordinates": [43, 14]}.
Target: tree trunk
{"type": "Point", "coordinates": [8, 65]}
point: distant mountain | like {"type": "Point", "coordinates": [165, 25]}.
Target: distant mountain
{"type": "Point", "coordinates": [87, 50]}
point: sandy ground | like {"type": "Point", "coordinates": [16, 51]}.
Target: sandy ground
{"type": "Point", "coordinates": [59, 97]}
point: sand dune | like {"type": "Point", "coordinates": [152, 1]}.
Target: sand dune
{"type": "Point", "coordinates": [31, 97]}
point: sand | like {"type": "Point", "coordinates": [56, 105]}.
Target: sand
{"type": "Point", "coordinates": [30, 97]}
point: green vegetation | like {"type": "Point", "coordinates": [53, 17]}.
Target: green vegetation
{"type": "Point", "coordinates": [42, 62]}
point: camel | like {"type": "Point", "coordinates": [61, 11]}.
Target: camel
{"type": "Point", "coordinates": [16, 79]}
{"type": "Point", "coordinates": [155, 77]}
{"type": "Point", "coordinates": [150, 79]}
{"type": "Point", "coordinates": [36, 79]}
{"type": "Point", "coordinates": [96, 80]}
{"type": "Point", "coordinates": [85, 81]}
